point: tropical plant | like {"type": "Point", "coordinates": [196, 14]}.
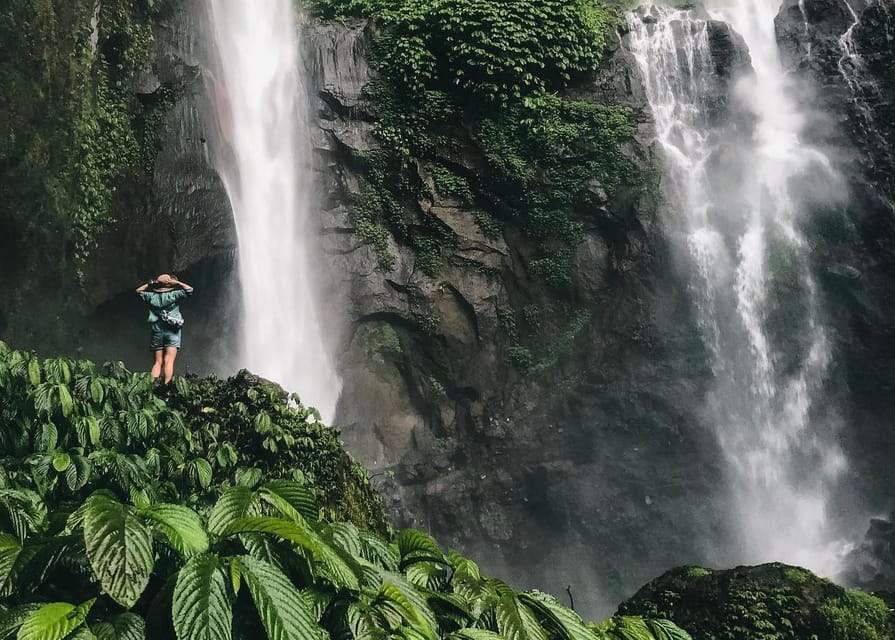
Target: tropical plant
{"type": "Point", "coordinates": [110, 529]}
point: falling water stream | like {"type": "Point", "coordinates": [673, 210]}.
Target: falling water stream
{"type": "Point", "coordinates": [262, 152]}
{"type": "Point", "coordinates": [735, 217]}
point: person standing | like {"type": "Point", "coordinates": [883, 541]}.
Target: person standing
{"type": "Point", "coordinates": [165, 321]}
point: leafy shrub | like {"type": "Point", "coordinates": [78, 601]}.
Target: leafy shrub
{"type": "Point", "coordinates": [768, 602]}
{"type": "Point", "coordinates": [451, 70]}
{"type": "Point", "coordinates": [122, 517]}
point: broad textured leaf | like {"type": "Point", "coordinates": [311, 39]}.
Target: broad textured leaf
{"type": "Point", "coordinates": [203, 472]}
{"type": "Point", "coordinates": [317, 601]}
{"type": "Point", "coordinates": [666, 630]}
{"type": "Point", "coordinates": [234, 503]}
{"type": "Point", "coordinates": [34, 372]}
{"type": "Point", "coordinates": [427, 575]}
{"type": "Point", "coordinates": [125, 626]}
{"type": "Point", "coordinates": [362, 622]}
{"type": "Point", "coordinates": [66, 404]}
{"type": "Point", "coordinates": [282, 610]}
{"type": "Point", "coordinates": [96, 390]}
{"type": "Point", "coordinates": [54, 621]}
{"type": "Point", "coordinates": [10, 548]}
{"type": "Point", "coordinates": [61, 461]}
{"type": "Point", "coordinates": [416, 546]}
{"type": "Point", "coordinates": [378, 551]}
{"type": "Point", "coordinates": [338, 570]}
{"type": "Point", "coordinates": [202, 609]}
{"type": "Point", "coordinates": [119, 546]}
{"type": "Point", "coordinates": [11, 619]}
{"type": "Point", "coordinates": [36, 560]}
{"type": "Point", "coordinates": [565, 621]}
{"type": "Point", "coordinates": [626, 628]}
{"type": "Point", "coordinates": [515, 621]}
{"type": "Point", "coordinates": [296, 494]}
{"type": "Point", "coordinates": [180, 526]}
{"type": "Point", "coordinates": [423, 618]}
{"type": "Point", "coordinates": [475, 634]}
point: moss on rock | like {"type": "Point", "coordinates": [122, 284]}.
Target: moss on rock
{"type": "Point", "coordinates": [767, 602]}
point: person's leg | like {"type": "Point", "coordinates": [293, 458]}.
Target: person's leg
{"type": "Point", "coordinates": [170, 356]}
{"type": "Point", "coordinates": [156, 364]}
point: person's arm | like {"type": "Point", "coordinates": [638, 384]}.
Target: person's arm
{"type": "Point", "coordinates": [143, 287]}
{"type": "Point", "coordinates": [184, 287]}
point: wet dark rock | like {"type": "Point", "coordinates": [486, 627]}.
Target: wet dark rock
{"type": "Point", "coordinates": [871, 566]}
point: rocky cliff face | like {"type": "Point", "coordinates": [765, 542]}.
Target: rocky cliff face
{"type": "Point", "coordinates": [599, 458]}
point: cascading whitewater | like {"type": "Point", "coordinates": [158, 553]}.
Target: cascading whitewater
{"type": "Point", "coordinates": [734, 215]}
{"type": "Point", "coordinates": [262, 152]}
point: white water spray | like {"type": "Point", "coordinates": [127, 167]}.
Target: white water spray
{"type": "Point", "coordinates": [736, 219]}
{"type": "Point", "coordinates": [263, 155]}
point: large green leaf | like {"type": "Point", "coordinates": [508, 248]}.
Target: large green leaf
{"type": "Point", "coordinates": [181, 527]}
{"type": "Point", "coordinates": [54, 621]}
{"type": "Point", "coordinates": [281, 607]}
{"type": "Point", "coordinates": [363, 623]}
{"type": "Point", "coordinates": [202, 609]}
{"type": "Point", "coordinates": [666, 630]}
{"type": "Point", "coordinates": [298, 496]}
{"type": "Point", "coordinates": [125, 626]}
{"type": "Point", "coordinates": [11, 619]}
{"type": "Point", "coordinates": [119, 545]}
{"type": "Point", "coordinates": [336, 567]}
{"type": "Point", "coordinates": [565, 621]}
{"type": "Point", "coordinates": [421, 616]}
{"type": "Point", "coordinates": [475, 634]}
{"type": "Point", "coordinates": [10, 548]}
{"type": "Point", "coordinates": [377, 550]}
{"type": "Point", "coordinates": [416, 546]}
{"type": "Point", "coordinates": [515, 621]}
{"type": "Point", "coordinates": [234, 503]}
{"type": "Point", "coordinates": [637, 628]}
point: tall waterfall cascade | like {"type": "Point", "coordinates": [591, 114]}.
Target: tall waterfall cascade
{"type": "Point", "coordinates": [263, 155]}
{"type": "Point", "coordinates": [734, 217]}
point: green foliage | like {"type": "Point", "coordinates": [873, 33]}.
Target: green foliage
{"type": "Point", "coordinates": [455, 70]}
{"type": "Point", "coordinates": [769, 602]}
{"type": "Point", "coordinates": [162, 552]}
{"type": "Point", "coordinates": [71, 129]}
{"type": "Point", "coordinates": [536, 350]}
{"type": "Point", "coordinates": [855, 616]}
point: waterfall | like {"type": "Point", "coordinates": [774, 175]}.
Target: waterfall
{"type": "Point", "coordinates": [262, 152]}
{"type": "Point", "coordinates": [734, 216]}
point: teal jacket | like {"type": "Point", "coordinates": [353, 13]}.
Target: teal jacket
{"type": "Point", "coordinates": [167, 300]}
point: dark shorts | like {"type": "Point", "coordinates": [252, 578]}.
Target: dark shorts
{"type": "Point", "coordinates": [161, 336]}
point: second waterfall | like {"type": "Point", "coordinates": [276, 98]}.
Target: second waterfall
{"type": "Point", "coordinates": [263, 154]}
{"type": "Point", "coordinates": [738, 179]}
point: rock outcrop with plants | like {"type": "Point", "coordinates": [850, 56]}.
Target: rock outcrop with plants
{"type": "Point", "coordinates": [772, 601]}
{"type": "Point", "coordinates": [221, 509]}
